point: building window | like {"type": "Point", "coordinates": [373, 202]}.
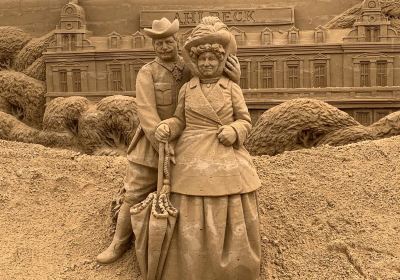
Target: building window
{"type": "Point", "coordinates": [268, 76]}
{"type": "Point", "coordinates": [320, 77]}
{"type": "Point", "coordinates": [134, 68]}
{"type": "Point", "coordinates": [138, 42]}
{"type": "Point", "coordinates": [63, 81]}
{"type": "Point", "coordinates": [73, 42]}
{"type": "Point", "coordinates": [69, 42]}
{"type": "Point", "coordinates": [267, 38]}
{"type": "Point", "coordinates": [244, 79]}
{"type": "Point", "coordinates": [293, 38]}
{"type": "Point", "coordinates": [381, 73]}
{"type": "Point", "coordinates": [116, 79]}
{"type": "Point", "coordinates": [319, 37]}
{"type": "Point", "coordinates": [76, 80]}
{"type": "Point", "coordinates": [293, 76]}
{"type": "Point", "coordinates": [65, 42]}
{"type": "Point", "coordinates": [372, 34]}
{"type": "Point", "coordinates": [365, 74]}
{"type": "Point", "coordinates": [135, 74]}
{"type": "Point", "coordinates": [363, 117]}
{"type": "Point", "coordinates": [379, 114]}
{"type": "Point", "coordinates": [373, 69]}
{"type": "Point", "coordinates": [114, 43]}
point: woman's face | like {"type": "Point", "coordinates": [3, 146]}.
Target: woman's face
{"type": "Point", "coordinates": [208, 64]}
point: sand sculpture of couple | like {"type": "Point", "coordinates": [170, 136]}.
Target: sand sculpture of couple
{"type": "Point", "coordinates": [201, 221]}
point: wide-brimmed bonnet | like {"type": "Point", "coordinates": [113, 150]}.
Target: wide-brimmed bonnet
{"type": "Point", "coordinates": [210, 31]}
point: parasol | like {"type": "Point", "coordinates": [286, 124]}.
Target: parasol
{"type": "Point", "coordinates": [153, 222]}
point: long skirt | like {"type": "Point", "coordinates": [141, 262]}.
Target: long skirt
{"type": "Point", "coordinates": [215, 238]}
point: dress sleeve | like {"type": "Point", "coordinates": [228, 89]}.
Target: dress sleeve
{"type": "Point", "coordinates": [146, 105]}
{"type": "Point", "coordinates": [177, 123]}
{"type": "Point", "coordinates": [241, 115]}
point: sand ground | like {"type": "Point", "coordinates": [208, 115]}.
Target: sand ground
{"type": "Point", "coordinates": [326, 213]}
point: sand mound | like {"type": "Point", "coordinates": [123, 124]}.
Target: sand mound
{"type": "Point", "coordinates": [295, 124]}
{"type": "Point", "coordinates": [326, 213]}
{"type": "Point", "coordinates": [12, 40]}
{"type": "Point", "coordinates": [347, 135]}
{"type": "Point", "coordinates": [24, 96]}
{"type": "Point", "coordinates": [32, 51]}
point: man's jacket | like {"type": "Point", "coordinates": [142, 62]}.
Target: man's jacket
{"type": "Point", "coordinates": [157, 87]}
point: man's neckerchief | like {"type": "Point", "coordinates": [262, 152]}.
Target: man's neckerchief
{"type": "Point", "coordinates": [176, 67]}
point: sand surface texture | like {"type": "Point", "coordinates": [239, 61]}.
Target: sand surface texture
{"type": "Point", "coordinates": [326, 213]}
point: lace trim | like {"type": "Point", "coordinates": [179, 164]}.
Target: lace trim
{"type": "Point", "coordinates": [209, 81]}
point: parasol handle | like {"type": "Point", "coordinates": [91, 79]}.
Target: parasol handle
{"type": "Point", "coordinates": [163, 179]}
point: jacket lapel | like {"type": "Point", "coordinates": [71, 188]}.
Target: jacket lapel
{"type": "Point", "coordinates": [199, 103]}
{"type": "Point", "coordinates": [216, 97]}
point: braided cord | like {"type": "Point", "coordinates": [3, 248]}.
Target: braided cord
{"type": "Point", "coordinates": [167, 161]}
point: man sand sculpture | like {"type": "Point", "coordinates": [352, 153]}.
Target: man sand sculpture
{"type": "Point", "coordinates": [157, 88]}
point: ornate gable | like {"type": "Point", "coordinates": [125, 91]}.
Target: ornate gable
{"type": "Point", "coordinates": [293, 58]}
{"type": "Point", "coordinates": [320, 56]}
{"type": "Point", "coordinates": [293, 35]}
{"type": "Point", "coordinates": [138, 40]}
{"type": "Point", "coordinates": [319, 35]}
{"type": "Point", "coordinates": [114, 40]}
{"type": "Point", "coordinates": [266, 36]}
{"type": "Point", "coordinates": [239, 34]}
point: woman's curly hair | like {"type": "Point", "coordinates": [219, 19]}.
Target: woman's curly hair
{"type": "Point", "coordinates": [217, 49]}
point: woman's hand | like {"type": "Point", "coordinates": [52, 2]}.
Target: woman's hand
{"type": "Point", "coordinates": [162, 133]}
{"type": "Point", "coordinates": [232, 68]}
{"type": "Point", "coordinates": [226, 135]}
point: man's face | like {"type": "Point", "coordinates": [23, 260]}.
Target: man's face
{"type": "Point", "coordinates": [166, 48]}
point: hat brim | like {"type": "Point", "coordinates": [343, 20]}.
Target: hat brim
{"type": "Point", "coordinates": [171, 30]}
{"type": "Point", "coordinates": [223, 38]}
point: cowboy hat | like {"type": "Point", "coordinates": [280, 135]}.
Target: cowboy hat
{"type": "Point", "coordinates": [162, 28]}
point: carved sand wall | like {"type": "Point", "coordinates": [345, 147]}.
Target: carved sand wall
{"type": "Point", "coordinates": [104, 16]}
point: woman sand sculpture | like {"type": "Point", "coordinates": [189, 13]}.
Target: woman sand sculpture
{"type": "Point", "coordinates": [213, 180]}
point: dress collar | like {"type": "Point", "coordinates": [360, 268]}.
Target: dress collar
{"type": "Point", "coordinates": [222, 81]}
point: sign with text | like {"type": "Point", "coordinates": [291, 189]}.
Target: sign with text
{"type": "Point", "coordinates": [236, 17]}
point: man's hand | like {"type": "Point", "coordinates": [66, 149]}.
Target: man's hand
{"type": "Point", "coordinates": [226, 135]}
{"type": "Point", "coordinates": [232, 68]}
{"type": "Point", "coordinates": [162, 133]}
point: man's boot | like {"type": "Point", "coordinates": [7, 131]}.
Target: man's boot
{"type": "Point", "coordinates": [120, 243]}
